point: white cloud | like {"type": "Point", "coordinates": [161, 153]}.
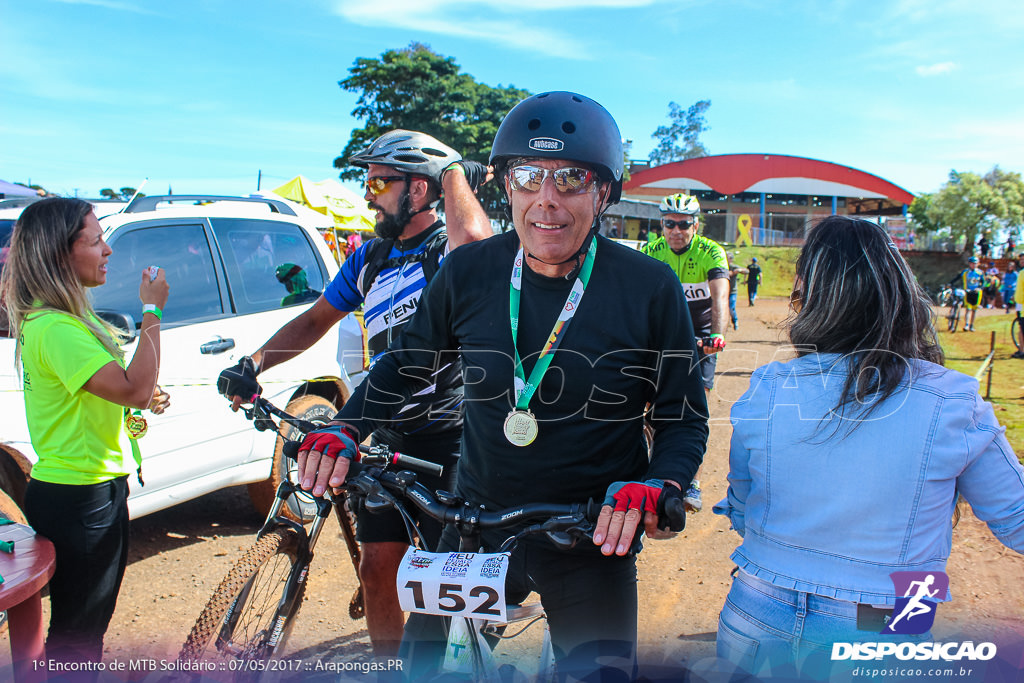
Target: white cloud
{"type": "Point", "coordinates": [109, 4]}
{"type": "Point", "coordinates": [935, 69]}
{"type": "Point", "coordinates": [475, 19]}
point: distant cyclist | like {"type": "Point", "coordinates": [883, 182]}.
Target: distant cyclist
{"type": "Point", "coordinates": [972, 281]}
{"type": "Point", "coordinates": [753, 280]}
{"type": "Point", "coordinates": [703, 270]}
{"type": "Point", "coordinates": [734, 275]}
{"type": "Point", "coordinates": [1018, 297]}
{"type": "Point", "coordinates": [1009, 286]}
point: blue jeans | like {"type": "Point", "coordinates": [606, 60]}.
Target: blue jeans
{"type": "Point", "coordinates": [772, 631]}
{"type": "Point", "coordinates": [732, 307]}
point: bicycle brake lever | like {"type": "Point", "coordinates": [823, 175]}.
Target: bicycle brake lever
{"type": "Point", "coordinates": [375, 503]}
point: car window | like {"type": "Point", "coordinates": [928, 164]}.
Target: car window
{"type": "Point", "coordinates": [183, 251]}
{"type": "Point", "coordinates": [270, 264]}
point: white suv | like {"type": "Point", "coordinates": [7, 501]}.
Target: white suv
{"type": "Point", "coordinates": [221, 256]}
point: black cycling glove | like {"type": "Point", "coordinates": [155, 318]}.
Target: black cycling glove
{"type": "Point", "coordinates": [240, 380]}
{"type": "Point", "coordinates": [475, 172]}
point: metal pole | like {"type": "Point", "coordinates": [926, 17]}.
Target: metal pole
{"type": "Point", "coordinates": [991, 364]}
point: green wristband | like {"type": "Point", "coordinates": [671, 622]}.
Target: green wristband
{"type": "Point", "coordinates": [151, 308]}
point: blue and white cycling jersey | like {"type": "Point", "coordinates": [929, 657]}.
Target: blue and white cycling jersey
{"type": "Point", "coordinates": [389, 303]}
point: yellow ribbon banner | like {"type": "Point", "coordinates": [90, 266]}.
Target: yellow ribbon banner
{"type": "Point", "coordinates": [743, 224]}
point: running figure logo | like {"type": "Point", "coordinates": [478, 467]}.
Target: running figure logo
{"type": "Point", "coordinates": [914, 612]}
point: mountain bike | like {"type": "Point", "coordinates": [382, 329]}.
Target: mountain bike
{"type": "Point", "coordinates": [953, 315]}
{"type": "Point", "coordinates": [250, 613]}
{"type": "Point", "coordinates": [247, 620]}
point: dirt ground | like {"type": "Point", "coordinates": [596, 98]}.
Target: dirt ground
{"type": "Point", "coordinates": [178, 556]}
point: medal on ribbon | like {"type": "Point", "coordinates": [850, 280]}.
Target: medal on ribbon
{"type": "Point", "coordinates": [135, 424]}
{"type": "Point", "coordinates": [521, 427]}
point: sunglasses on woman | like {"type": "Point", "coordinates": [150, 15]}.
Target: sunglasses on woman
{"type": "Point", "coordinates": [567, 180]}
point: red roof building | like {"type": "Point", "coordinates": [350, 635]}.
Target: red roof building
{"type": "Point", "coordinates": [779, 195]}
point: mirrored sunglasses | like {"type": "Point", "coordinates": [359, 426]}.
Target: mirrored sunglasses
{"type": "Point", "coordinates": [380, 183]}
{"type": "Point", "coordinates": [567, 180]}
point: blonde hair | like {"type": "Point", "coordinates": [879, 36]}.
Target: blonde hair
{"type": "Point", "coordinates": [38, 275]}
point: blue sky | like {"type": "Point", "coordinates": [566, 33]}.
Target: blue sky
{"type": "Point", "coordinates": [200, 95]}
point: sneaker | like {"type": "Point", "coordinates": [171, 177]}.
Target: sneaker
{"type": "Point", "coordinates": [1017, 354]}
{"type": "Point", "coordinates": [692, 497]}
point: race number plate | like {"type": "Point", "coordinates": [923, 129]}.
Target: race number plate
{"type": "Point", "coordinates": [453, 584]}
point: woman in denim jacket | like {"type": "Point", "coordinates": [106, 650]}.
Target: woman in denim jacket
{"type": "Point", "coordinates": [845, 464]}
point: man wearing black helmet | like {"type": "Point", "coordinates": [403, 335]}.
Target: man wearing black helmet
{"type": "Point", "coordinates": [406, 174]}
{"type": "Point", "coordinates": [554, 412]}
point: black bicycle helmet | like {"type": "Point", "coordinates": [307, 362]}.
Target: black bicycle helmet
{"type": "Point", "coordinates": [408, 151]}
{"type": "Point", "coordinates": [562, 125]}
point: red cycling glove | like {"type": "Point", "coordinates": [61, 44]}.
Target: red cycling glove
{"type": "Point", "coordinates": [333, 441]}
{"type": "Point", "coordinates": [653, 495]}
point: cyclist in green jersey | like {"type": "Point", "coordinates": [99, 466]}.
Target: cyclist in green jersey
{"type": "Point", "coordinates": [703, 271]}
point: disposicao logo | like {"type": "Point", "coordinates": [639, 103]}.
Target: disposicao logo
{"type": "Point", "coordinates": [914, 612]}
{"type": "Point", "coordinates": [918, 595]}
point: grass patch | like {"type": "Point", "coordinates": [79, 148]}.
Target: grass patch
{"type": "Point", "coordinates": [965, 352]}
{"type": "Point", "coordinates": [778, 266]}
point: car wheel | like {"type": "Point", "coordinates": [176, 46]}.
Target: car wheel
{"type": "Point", "coordinates": [11, 510]}
{"type": "Point", "coordinates": [15, 469]}
{"type": "Point", "coordinates": [300, 506]}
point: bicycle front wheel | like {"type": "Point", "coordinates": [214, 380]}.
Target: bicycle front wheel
{"type": "Point", "coordinates": [249, 615]}
{"type": "Point", "coordinates": [1015, 333]}
{"type": "Point", "coordinates": [953, 318]}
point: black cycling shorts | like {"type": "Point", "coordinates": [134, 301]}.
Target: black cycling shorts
{"type": "Point", "coordinates": [972, 298]}
{"type": "Point", "coordinates": [388, 526]}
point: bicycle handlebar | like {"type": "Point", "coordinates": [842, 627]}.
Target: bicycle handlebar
{"type": "Point", "coordinates": [379, 456]}
{"type": "Point", "coordinates": [370, 476]}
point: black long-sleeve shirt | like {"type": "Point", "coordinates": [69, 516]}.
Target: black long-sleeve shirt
{"type": "Point", "coordinates": [630, 343]}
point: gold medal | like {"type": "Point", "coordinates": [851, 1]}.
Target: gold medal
{"type": "Point", "coordinates": [135, 425]}
{"type": "Point", "coordinates": [521, 428]}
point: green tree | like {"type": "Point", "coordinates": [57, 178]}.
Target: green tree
{"type": "Point", "coordinates": [417, 89]}
{"type": "Point", "coordinates": [108, 193]}
{"type": "Point", "coordinates": [969, 205]}
{"type": "Point", "coordinates": [681, 138]}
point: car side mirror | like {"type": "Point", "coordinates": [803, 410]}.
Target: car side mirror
{"type": "Point", "coordinates": [123, 322]}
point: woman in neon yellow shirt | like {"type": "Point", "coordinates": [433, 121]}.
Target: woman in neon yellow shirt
{"type": "Point", "coordinates": [77, 395]}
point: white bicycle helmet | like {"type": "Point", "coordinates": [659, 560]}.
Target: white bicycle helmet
{"type": "Point", "coordinates": [408, 151]}
{"type": "Point", "coordinates": [680, 203]}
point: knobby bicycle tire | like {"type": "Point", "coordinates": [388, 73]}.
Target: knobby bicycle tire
{"type": "Point", "coordinates": [1015, 333]}
{"type": "Point", "coordinates": [257, 582]}
{"type": "Point", "coordinates": [953, 318]}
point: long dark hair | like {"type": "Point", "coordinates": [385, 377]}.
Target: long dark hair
{"type": "Point", "coordinates": [39, 276]}
{"type": "Point", "coordinates": [859, 298]}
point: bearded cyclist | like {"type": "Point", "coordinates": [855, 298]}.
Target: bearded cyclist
{"type": "Point", "coordinates": [406, 174]}
{"type": "Point", "coordinates": [703, 271]}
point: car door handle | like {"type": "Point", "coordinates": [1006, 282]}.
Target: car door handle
{"type": "Point", "coordinates": [218, 345]}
